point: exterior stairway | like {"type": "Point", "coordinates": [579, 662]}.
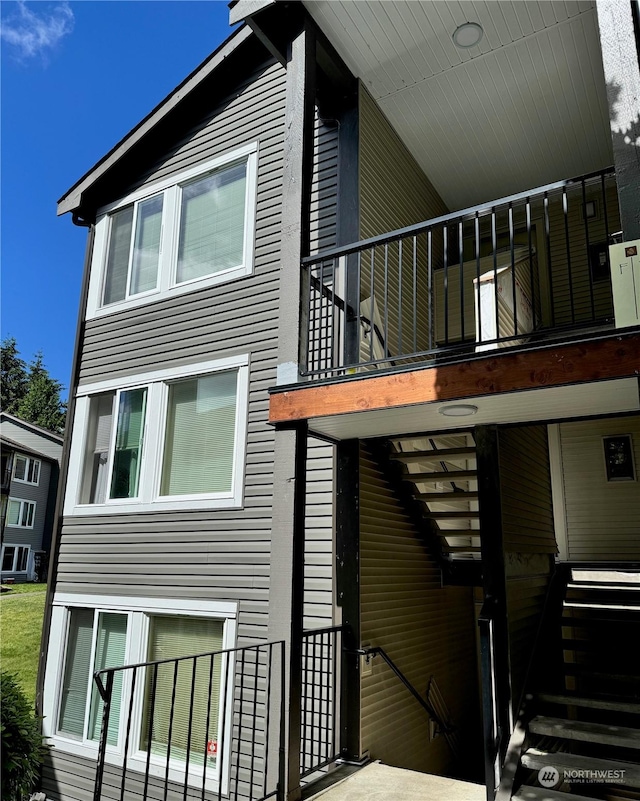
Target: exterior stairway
{"type": "Point", "coordinates": [584, 740]}
{"type": "Point", "coordinates": [441, 470]}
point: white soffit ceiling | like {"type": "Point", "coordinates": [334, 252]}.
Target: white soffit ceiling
{"type": "Point", "coordinates": [554, 403]}
{"type": "Point", "coordinates": [524, 107]}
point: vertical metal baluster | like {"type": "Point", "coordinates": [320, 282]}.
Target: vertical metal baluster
{"type": "Point", "coordinates": [461, 261]}
{"type": "Point", "coordinates": [604, 206]}
{"type": "Point", "coordinates": [430, 285]}
{"type": "Point", "coordinates": [476, 227]}
{"type": "Point", "coordinates": [189, 730]}
{"type": "Point", "coordinates": [547, 237]}
{"type": "Point", "coordinates": [311, 344]}
{"type": "Point", "coordinates": [532, 277]}
{"type": "Point", "coordinates": [152, 709]}
{"type": "Point", "coordinates": [281, 745]}
{"type": "Point", "coordinates": [207, 726]}
{"type": "Point", "coordinates": [253, 733]}
{"type": "Point", "coordinates": [325, 654]}
{"type": "Point", "coordinates": [304, 704]}
{"type": "Point", "coordinates": [313, 701]}
{"type": "Point", "coordinates": [512, 250]}
{"type": "Point", "coordinates": [170, 733]}
{"type": "Point", "coordinates": [586, 236]}
{"type": "Point", "coordinates": [386, 298]}
{"type": "Point", "coordinates": [356, 311]}
{"type": "Point", "coordinates": [565, 210]}
{"type": "Point", "coordinates": [334, 685]}
{"type": "Point", "coordinates": [335, 328]}
{"type": "Point", "coordinates": [415, 293]}
{"type": "Point", "coordinates": [372, 297]}
{"type": "Point", "coordinates": [128, 734]}
{"type": "Point", "coordinates": [494, 247]}
{"type": "Point", "coordinates": [445, 245]}
{"type": "Point", "coordinates": [267, 719]}
{"type": "Point", "coordinates": [226, 682]}
{"type": "Point", "coordinates": [240, 716]}
{"type": "Point", "coordinates": [400, 295]}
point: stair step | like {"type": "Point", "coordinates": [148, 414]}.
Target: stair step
{"type": "Point", "coordinates": [612, 705]}
{"type": "Point", "coordinates": [447, 497]}
{"type": "Point", "coordinates": [458, 532]}
{"type": "Point", "coordinates": [528, 793]}
{"type": "Point", "coordinates": [584, 731]}
{"type": "Point", "coordinates": [461, 548]}
{"type": "Point", "coordinates": [597, 618]}
{"type": "Point", "coordinates": [440, 475]}
{"type": "Point", "coordinates": [620, 596]}
{"type": "Point", "coordinates": [463, 514]}
{"type": "Point", "coordinates": [412, 457]}
{"type": "Point", "coordinates": [597, 672]}
{"type": "Point", "coordinates": [535, 760]}
{"type": "Point", "coordinates": [433, 435]}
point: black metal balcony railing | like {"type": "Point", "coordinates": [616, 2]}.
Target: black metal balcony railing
{"type": "Point", "coordinates": [518, 269]}
{"type": "Point", "coordinates": [321, 666]}
{"type": "Point", "coordinates": [197, 726]}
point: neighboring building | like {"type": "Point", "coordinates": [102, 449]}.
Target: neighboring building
{"type": "Point", "coordinates": [30, 470]}
{"type": "Point", "coordinates": [357, 379]}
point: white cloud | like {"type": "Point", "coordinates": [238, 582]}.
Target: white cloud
{"type": "Point", "coordinates": [33, 33]}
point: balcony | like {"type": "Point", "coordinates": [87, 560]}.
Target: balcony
{"type": "Point", "coordinates": [516, 273]}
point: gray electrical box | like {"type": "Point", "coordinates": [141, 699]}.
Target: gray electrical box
{"type": "Point", "coordinates": [625, 282]}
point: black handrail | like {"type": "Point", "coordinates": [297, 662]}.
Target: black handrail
{"type": "Point", "coordinates": [454, 216]}
{"type": "Point", "coordinates": [251, 679]}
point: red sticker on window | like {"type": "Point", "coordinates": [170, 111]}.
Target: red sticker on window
{"type": "Point", "coordinates": [212, 747]}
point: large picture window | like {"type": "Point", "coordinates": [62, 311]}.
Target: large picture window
{"type": "Point", "coordinates": [177, 235]}
{"type": "Point", "coordinates": [171, 711]}
{"type": "Point", "coordinates": [175, 439]}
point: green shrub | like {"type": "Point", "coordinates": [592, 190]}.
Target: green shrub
{"type": "Point", "coordinates": [22, 745]}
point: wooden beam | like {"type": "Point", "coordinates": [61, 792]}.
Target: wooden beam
{"type": "Point", "coordinates": [560, 365]}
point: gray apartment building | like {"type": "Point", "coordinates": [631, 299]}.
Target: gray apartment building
{"type": "Point", "coordinates": [30, 470]}
{"type": "Point", "coordinates": [351, 465]}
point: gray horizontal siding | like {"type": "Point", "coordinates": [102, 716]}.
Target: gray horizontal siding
{"type": "Point", "coordinates": [216, 554]}
{"type": "Point", "coordinates": [427, 629]}
{"type": "Point", "coordinates": [46, 444]}
{"type": "Point", "coordinates": [602, 517]}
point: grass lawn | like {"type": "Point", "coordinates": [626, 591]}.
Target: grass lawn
{"type": "Point", "coordinates": [21, 612]}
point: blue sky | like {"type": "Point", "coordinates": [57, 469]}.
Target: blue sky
{"type": "Point", "coordinates": [76, 77]}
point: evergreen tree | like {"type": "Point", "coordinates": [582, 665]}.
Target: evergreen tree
{"type": "Point", "coordinates": [41, 402]}
{"type": "Point", "coordinates": [13, 378]}
{"type": "Point", "coordinates": [30, 393]}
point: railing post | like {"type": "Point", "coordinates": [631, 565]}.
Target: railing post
{"type": "Point", "coordinates": [348, 590]}
{"type": "Point", "coordinates": [105, 694]}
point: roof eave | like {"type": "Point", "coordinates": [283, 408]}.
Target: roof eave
{"type": "Point", "coordinates": [72, 200]}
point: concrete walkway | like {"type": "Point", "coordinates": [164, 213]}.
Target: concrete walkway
{"type": "Point", "coordinates": [378, 782]}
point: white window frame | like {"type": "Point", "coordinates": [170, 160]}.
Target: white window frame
{"type": "Point", "coordinates": [17, 547]}
{"type": "Point", "coordinates": [23, 502]}
{"type": "Point", "coordinates": [149, 498]}
{"type": "Point", "coordinates": [170, 188]}
{"type": "Point", "coordinates": [139, 611]}
{"type": "Point", "coordinates": [30, 464]}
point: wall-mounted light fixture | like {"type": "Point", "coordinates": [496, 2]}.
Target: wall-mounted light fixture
{"type": "Point", "coordinates": [618, 458]}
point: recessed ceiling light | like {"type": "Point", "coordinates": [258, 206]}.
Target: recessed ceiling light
{"type": "Point", "coordinates": [468, 34]}
{"type": "Point", "coordinates": [458, 410]}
